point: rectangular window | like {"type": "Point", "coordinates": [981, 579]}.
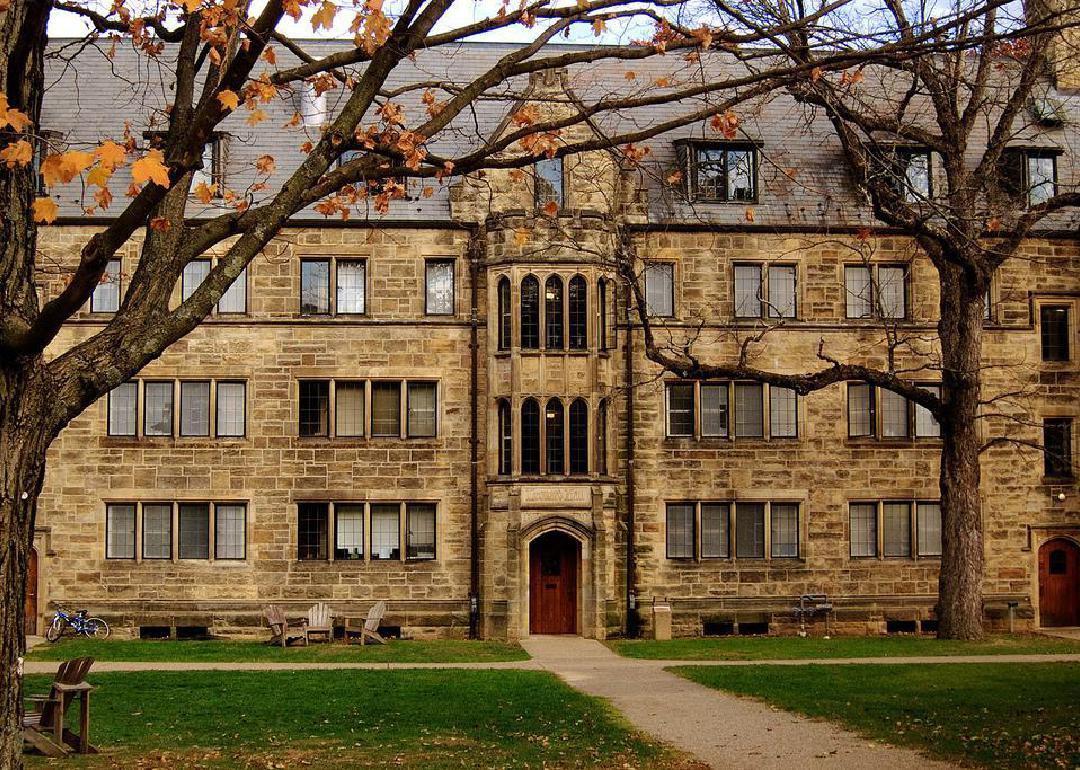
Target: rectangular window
{"type": "Point", "coordinates": [714, 410]}
{"type": "Point", "coordinates": [123, 406]}
{"type": "Point", "coordinates": [349, 408]}
{"type": "Point", "coordinates": [549, 182]}
{"type": "Point", "coordinates": [858, 288]}
{"type": "Point", "coordinates": [892, 291]}
{"type": "Point", "coordinates": [860, 400]}
{"type": "Point", "coordinates": [386, 409]}
{"type": "Point", "coordinates": [915, 169]}
{"type": "Point", "coordinates": [234, 300]}
{"type": "Point", "coordinates": [750, 530]}
{"type": "Point", "coordinates": [351, 286]}
{"type": "Point", "coordinates": [1057, 447]}
{"type": "Point", "coordinates": [194, 533]}
{"type": "Point", "coordinates": [385, 531]}
{"type": "Point", "coordinates": [349, 531]}
{"type": "Point", "coordinates": [157, 530]}
{"type": "Point", "coordinates": [120, 531]}
{"type": "Point", "coordinates": [1054, 331]}
{"type": "Point", "coordinates": [782, 303]}
{"type": "Point", "coordinates": [194, 274]}
{"type": "Point", "coordinates": [419, 531]}
{"type": "Point", "coordinates": [680, 530]}
{"type": "Point", "coordinates": [195, 408]}
{"type": "Point", "coordinates": [896, 529]}
{"type": "Point", "coordinates": [724, 172]}
{"type": "Point", "coordinates": [784, 530]}
{"type": "Point", "coordinates": [863, 529]}
{"type": "Point", "coordinates": [929, 528]}
{"type": "Point", "coordinates": [231, 408]}
{"type": "Point", "coordinates": [158, 409]}
{"type": "Point", "coordinates": [106, 295]}
{"type": "Point", "coordinates": [311, 526]}
{"type": "Point", "coordinates": [894, 414]}
{"type": "Point", "coordinates": [230, 531]}
{"type": "Point", "coordinates": [715, 521]}
{"type": "Point", "coordinates": [783, 413]}
{"type": "Point", "coordinates": [421, 409]}
{"type": "Point", "coordinates": [315, 287]}
{"type": "Point", "coordinates": [314, 407]}
{"type": "Point", "coordinates": [748, 293]}
{"type": "Point", "coordinates": [749, 410]}
{"type": "Point", "coordinates": [926, 425]}
{"type": "Point", "coordinates": [439, 283]}
{"type": "Point", "coordinates": [660, 289]}
{"type": "Point", "coordinates": [680, 409]}
{"type": "Point", "coordinates": [1041, 176]}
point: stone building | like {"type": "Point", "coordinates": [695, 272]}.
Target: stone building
{"type": "Point", "coordinates": [448, 406]}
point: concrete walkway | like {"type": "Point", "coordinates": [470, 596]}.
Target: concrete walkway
{"type": "Point", "coordinates": [724, 731]}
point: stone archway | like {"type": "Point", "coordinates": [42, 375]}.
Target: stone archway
{"type": "Point", "coordinates": [1059, 583]}
{"type": "Point", "coordinates": [570, 607]}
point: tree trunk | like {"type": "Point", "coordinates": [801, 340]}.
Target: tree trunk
{"type": "Point", "coordinates": [22, 456]}
{"type": "Point", "coordinates": [960, 610]}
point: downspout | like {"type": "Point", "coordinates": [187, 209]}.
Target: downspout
{"type": "Point", "coordinates": [474, 251]}
{"type": "Point", "coordinates": [631, 565]}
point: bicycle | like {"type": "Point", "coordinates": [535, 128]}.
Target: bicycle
{"type": "Point", "coordinates": [79, 623]}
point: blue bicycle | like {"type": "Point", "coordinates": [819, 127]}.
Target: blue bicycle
{"type": "Point", "coordinates": [79, 623]}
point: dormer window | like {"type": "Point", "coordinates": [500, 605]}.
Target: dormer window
{"type": "Point", "coordinates": [913, 172]}
{"type": "Point", "coordinates": [719, 172]}
{"type": "Point", "coordinates": [1030, 173]}
{"type": "Point", "coordinates": [212, 173]}
{"type": "Point", "coordinates": [312, 106]}
{"type": "Point", "coordinates": [548, 187]}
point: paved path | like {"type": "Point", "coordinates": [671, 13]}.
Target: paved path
{"type": "Point", "coordinates": [724, 731]}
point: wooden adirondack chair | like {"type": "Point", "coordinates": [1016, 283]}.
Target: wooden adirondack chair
{"type": "Point", "coordinates": [370, 627]}
{"type": "Point", "coordinates": [320, 622]}
{"type": "Point", "coordinates": [43, 727]}
{"type": "Point", "coordinates": [279, 627]}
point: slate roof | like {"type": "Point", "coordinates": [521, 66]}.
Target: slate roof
{"type": "Point", "coordinates": [802, 178]}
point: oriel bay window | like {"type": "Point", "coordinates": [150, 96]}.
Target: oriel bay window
{"type": "Point", "coordinates": [562, 431]}
{"type": "Point", "coordinates": [554, 440]}
{"type": "Point", "coordinates": [875, 412]}
{"type": "Point", "coordinates": [732, 410]}
{"type": "Point", "coordinates": [708, 529]}
{"type": "Point", "coordinates": [506, 438]}
{"type": "Point", "coordinates": [577, 303]}
{"type": "Point", "coordinates": [530, 313]}
{"type": "Point", "coordinates": [894, 529]}
{"type": "Point", "coordinates": [366, 531]}
{"type": "Point", "coordinates": [213, 531]}
{"type": "Point", "coordinates": [397, 408]}
{"type": "Point", "coordinates": [579, 436]}
{"type": "Point", "coordinates": [553, 312]}
{"type": "Point", "coordinates": [505, 314]}
{"type": "Point", "coordinates": [530, 437]}
{"type": "Point", "coordinates": [206, 407]}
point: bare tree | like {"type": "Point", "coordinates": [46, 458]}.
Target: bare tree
{"type": "Point", "coordinates": [965, 106]}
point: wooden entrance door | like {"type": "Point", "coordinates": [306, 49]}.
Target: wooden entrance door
{"type": "Point", "coordinates": [30, 609]}
{"type": "Point", "coordinates": [553, 579]}
{"type": "Point", "coordinates": [1059, 583]}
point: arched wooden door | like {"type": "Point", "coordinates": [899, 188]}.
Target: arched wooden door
{"type": "Point", "coordinates": [31, 607]}
{"type": "Point", "coordinates": [1059, 583]}
{"type": "Point", "coordinates": [553, 584]}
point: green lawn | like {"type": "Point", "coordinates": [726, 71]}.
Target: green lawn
{"type": "Point", "coordinates": [995, 714]}
{"type": "Point", "coordinates": [792, 647]}
{"type": "Point", "coordinates": [437, 651]}
{"type": "Point", "coordinates": [339, 719]}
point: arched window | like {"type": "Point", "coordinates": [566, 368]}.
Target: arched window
{"type": "Point", "coordinates": [556, 450]}
{"type": "Point", "coordinates": [506, 439]}
{"type": "Point", "coordinates": [601, 313]}
{"type": "Point", "coordinates": [530, 437]}
{"type": "Point", "coordinates": [553, 312]}
{"type": "Point", "coordinates": [579, 437]}
{"type": "Point", "coordinates": [578, 302]}
{"type": "Point", "coordinates": [504, 313]}
{"type": "Point", "coordinates": [530, 313]}
{"type": "Point", "coordinates": [601, 438]}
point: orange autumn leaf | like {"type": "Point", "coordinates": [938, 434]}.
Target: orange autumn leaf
{"type": "Point", "coordinates": [191, 5]}
{"type": "Point", "coordinates": [161, 224]}
{"type": "Point", "coordinates": [9, 116]}
{"type": "Point", "coordinates": [204, 193]}
{"type": "Point", "coordinates": [103, 197]}
{"type": "Point", "coordinates": [265, 164]}
{"type": "Point", "coordinates": [269, 56]}
{"type": "Point", "coordinates": [18, 153]}
{"type": "Point", "coordinates": [750, 215]}
{"type": "Point", "coordinates": [110, 155]}
{"type": "Point", "coordinates": [256, 117]}
{"type": "Point", "coordinates": [45, 210]}
{"type": "Point", "coordinates": [551, 208]}
{"type": "Point", "coordinates": [229, 100]}
{"type": "Point", "coordinates": [630, 75]}
{"type": "Point", "coordinates": [427, 192]}
{"type": "Point", "coordinates": [99, 176]}
{"type": "Point", "coordinates": [151, 168]}
{"type": "Point", "coordinates": [324, 17]}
